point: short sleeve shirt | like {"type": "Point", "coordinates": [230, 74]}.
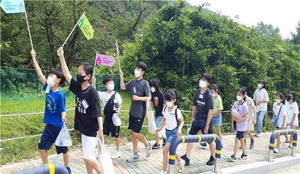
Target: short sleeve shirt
{"type": "Point", "coordinates": [141, 89]}
{"type": "Point", "coordinates": [218, 104]}
{"type": "Point", "coordinates": [204, 102]}
{"type": "Point", "coordinates": [292, 109]}
{"type": "Point", "coordinates": [250, 104]}
{"type": "Point", "coordinates": [87, 109]}
{"type": "Point", "coordinates": [171, 122]}
{"type": "Point", "coordinates": [282, 114]}
{"type": "Point", "coordinates": [243, 110]}
{"type": "Point", "coordinates": [261, 95]}
{"type": "Point", "coordinates": [105, 96]}
{"type": "Point", "coordinates": [158, 102]}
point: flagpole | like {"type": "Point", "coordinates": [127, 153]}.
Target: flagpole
{"type": "Point", "coordinates": [72, 30]}
{"type": "Point", "coordinates": [118, 55]}
{"type": "Point", "coordinates": [95, 64]}
{"type": "Point", "coordinates": [28, 26]}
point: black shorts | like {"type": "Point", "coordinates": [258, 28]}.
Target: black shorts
{"type": "Point", "coordinates": [110, 128]}
{"type": "Point", "coordinates": [194, 130]}
{"type": "Point", "coordinates": [240, 134]}
{"type": "Point", "coordinates": [48, 138]}
{"type": "Point", "coordinates": [135, 124]}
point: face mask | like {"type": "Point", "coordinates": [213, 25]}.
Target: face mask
{"type": "Point", "coordinates": [50, 81]}
{"type": "Point", "coordinates": [137, 73]}
{"type": "Point", "coordinates": [152, 90]}
{"type": "Point", "coordinates": [259, 85]}
{"type": "Point", "coordinates": [202, 84]}
{"type": "Point", "coordinates": [169, 104]}
{"type": "Point", "coordinates": [288, 98]}
{"type": "Point", "coordinates": [239, 98]}
{"type": "Point", "coordinates": [111, 86]}
{"type": "Point", "coordinates": [80, 79]}
{"type": "Point", "coordinates": [278, 101]}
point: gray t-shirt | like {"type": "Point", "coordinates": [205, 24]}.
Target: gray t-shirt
{"type": "Point", "coordinates": [141, 89]}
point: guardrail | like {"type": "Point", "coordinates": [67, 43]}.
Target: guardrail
{"type": "Point", "coordinates": [278, 133]}
{"type": "Point", "coordinates": [51, 168]}
{"type": "Point", "coordinates": [193, 139]}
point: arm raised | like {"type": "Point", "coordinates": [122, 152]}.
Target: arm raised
{"type": "Point", "coordinates": [64, 67]}
{"type": "Point", "coordinates": [37, 68]}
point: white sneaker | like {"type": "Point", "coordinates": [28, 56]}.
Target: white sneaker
{"type": "Point", "coordinates": [132, 158]}
{"type": "Point", "coordinates": [116, 155]}
{"type": "Point", "coordinates": [163, 172]}
{"type": "Point", "coordinates": [148, 149]}
{"type": "Point", "coordinates": [181, 163]}
{"type": "Point", "coordinates": [276, 150]}
{"type": "Point", "coordinates": [258, 135]}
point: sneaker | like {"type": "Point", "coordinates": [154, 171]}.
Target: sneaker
{"type": "Point", "coordinates": [290, 146]}
{"type": "Point", "coordinates": [116, 155]}
{"type": "Point", "coordinates": [281, 144]}
{"type": "Point", "coordinates": [244, 155]}
{"type": "Point", "coordinates": [181, 163]}
{"type": "Point", "coordinates": [69, 170]}
{"type": "Point", "coordinates": [97, 155]}
{"type": "Point", "coordinates": [132, 158]}
{"type": "Point", "coordinates": [232, 158]}
{"type": "Point", "coordinates": [163, 172]}
{"type": "Point", "coordinates": [203, 145]}
{"type": "Point", "coordinates": [211, 161]}
{"type": "Point", "coordinates": [258, 134]}
{"type": "Point", "coordinates": [185, 158]}
{"type": "Point", "coordinates": [156, 146]}
{"type": "Point", "coordinates": [164, 142]}
{"type": "Point", "coordinates": [276, 150]}
{"type": "Point", "coordinates": [148, 149]}
{"type": "Point", "coordinates": [252, 145]}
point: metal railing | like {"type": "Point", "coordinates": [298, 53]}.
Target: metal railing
{"type": "Point", "coordinates": [50, 168]}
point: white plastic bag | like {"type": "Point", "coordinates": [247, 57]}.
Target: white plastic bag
{"type": "Point", "coordinates": [162, 133]}
{"type": "Point", "coordinates": [116, 120]}
{"type": "Point", "coordinates": [151, 119]}
{"type": "Point", "coordinates": [105, 158]}
{"type": "Point", "coordinates": [63, 139]}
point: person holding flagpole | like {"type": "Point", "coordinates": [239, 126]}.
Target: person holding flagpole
{"type": "Point", "coordinates": [140, 94]}
{"type": "Point", "coordinates": [87, 111]}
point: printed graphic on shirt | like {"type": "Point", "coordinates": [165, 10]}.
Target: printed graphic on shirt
{"type": "Point", "coordinates": [51, 104]}
{"type": "Point", "coordinates": [81, 105]}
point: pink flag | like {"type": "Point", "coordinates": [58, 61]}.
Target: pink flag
{"type": "Point", "coordinates": [105, 60]}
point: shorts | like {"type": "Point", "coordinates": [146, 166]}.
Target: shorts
{"type": "Point", "coordinates": [135, 124]}
{"type": "Point", "coordinates": [88, 146]}
{"type": "Point", "coordinates": [171, 135]}
{"type": "Point", "coordinates": [250, 125]}
{"type": "Point", "coordinates": [290, 127]}
{"type": "Point", "coordinates": [194, 130]}
{"type": "Point", "coordinates": [48, 138]}
{"type": "Point", "coordinates": [158, 120]}
{"type": "Point", "coordinates": [240, 134]}
{"type": "Point", "coordinates": [110, 128]}
{"type": "Point", "coordinates": [217, 120]}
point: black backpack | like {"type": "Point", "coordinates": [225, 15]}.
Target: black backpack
{"type": "Point", "coordinates": [178, 122]}
{"type": "Point", "coordinates": [109, 107]}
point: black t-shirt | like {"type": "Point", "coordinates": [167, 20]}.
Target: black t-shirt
{"type": "Point", "coordinates": [87, 109]}
{"type": "Point", "coordinates": [158, 102]}
{"type": "Point", "coordinates": [204, 102]}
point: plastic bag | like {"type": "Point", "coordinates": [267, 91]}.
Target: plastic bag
{"type": "Point", "coordinates": [116, 120]}
{"type": "Point", "coordinates": [105, 158]}
{"type": "Point", "coordinates": [63, 139]}
{"type": "Point", "coordinates": [151, 119]}
{"type": "Point", "coordinates": [162, 133]}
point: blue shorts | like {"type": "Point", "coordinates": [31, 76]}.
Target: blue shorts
{"type": "Point", "coordinates": [171, 135]}
{"type": "Point", "coordinates": [240, 134]}
{"type": "Point", "coordinates": [48, 138]}
{"type": "Point", "coordinates": [217, 120]}
{"type": "Point", "coordinates": [158, 120]}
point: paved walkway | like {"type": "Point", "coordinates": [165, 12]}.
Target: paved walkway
{"type": "Point", "coordinates": [153, 164]}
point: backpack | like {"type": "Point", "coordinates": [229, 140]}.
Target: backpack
{"type": "Point", "coordinates": [109, 107]}
{"type": "Point", "coordinates": [178, 122]}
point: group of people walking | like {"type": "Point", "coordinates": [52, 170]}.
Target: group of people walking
{"type": "Point", "coordinates": [206, 113]}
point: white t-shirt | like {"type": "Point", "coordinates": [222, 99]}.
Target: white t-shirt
{"type": "Point", "coordinates": [281, 115]}
{"type": "Point", "coordinates": [292, 109]}
{"type": "Point", "coordinates": [105, 96]}
{"type": "Point", "coordinates": [261, 95]}
{"type": "Point", "coordinates": [171, 122]}
{"type": "Point", "coordinates": [250, 104]}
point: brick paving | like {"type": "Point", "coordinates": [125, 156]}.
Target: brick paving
{"type": "Point", "coordinates": [153, 164]}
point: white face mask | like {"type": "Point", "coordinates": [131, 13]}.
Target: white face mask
{"type": "Point", "coordinates": [152, 90]}
{"type": "Point", "coordinates": [169, 104]}
{"type": "Point", "coordinates": [278, 101]}
{"type": "Point", "coordinates": [259, 85]}
{"type": "Point", "coordinates": [137, 73]}
{"type": "Point", "coordinates": [111, 86]}
{"type": "Point", "coordinates": [202, 84]}
{"type": "Point", "coordinates": [50, 82]}
{"type": "Point", "coordinates": [239, 98]}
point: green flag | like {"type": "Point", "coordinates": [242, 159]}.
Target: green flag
{"type": "Point", "coordinates": [86, 27]}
